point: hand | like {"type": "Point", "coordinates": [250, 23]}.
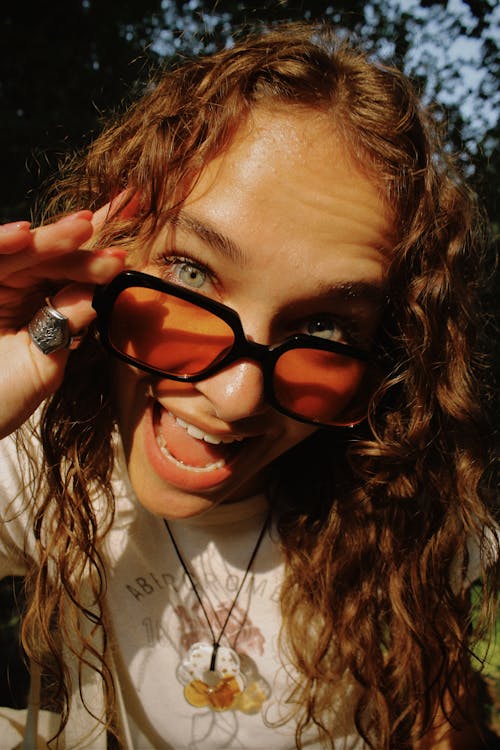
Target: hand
{"type": "Point", "coordinates": [34, 264]}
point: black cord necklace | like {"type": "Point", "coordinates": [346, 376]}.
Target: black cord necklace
{"type": "Point", "coordinates": [220, 684]}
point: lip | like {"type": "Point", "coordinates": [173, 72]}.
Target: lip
{"type": "Point", "coordinates": [173, 473]}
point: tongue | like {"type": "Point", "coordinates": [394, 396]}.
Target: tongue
{"type": "Point", "coordinates": [185, 448]}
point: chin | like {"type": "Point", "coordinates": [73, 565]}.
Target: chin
{"type": "Point", "coordinates": [171, 491]}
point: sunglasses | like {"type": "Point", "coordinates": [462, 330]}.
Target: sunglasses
{"type": "Point", "coordinates": [175, 333]}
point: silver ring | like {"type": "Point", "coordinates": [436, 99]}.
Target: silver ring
{"type": "Point", "coordinates": [49, 330]}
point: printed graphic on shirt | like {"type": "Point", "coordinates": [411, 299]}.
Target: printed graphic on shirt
{"type": "Point", "coordinates": [143, 586]}
{"type": "Point", "coordinates": [166, 644]}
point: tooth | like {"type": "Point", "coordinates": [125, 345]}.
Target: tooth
{"type": "Point", "coordinates": [212, 439]}
{"type": "Point", "coordinates": [200, 435]}
{"type": "Point", "coordinates": [194, 431]}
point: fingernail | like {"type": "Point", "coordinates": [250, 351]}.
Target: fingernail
{"type": "Point", "coordinates": [84, 214]}
{"type": "Point", "coordinates": [101, 264]}
{"type": "Point", "coordinates": [15, 226]}
{"type": "Point", "coordinates": [111, 252]}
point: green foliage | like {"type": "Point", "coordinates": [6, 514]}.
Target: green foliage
{"type": "Point", "coordinates": [487, 659]}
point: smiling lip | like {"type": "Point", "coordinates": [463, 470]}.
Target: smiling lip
{"type": "Point", "coordinates": [181, 454]}
{"type": "Point", "coordinates": [190, 447]}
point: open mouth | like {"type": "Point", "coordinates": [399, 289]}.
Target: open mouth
{"type": "Point", "coordinates": [189, 447]}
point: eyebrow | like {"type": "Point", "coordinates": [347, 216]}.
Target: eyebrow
{"type": "Point", "coordinates": [211, 236]}
{"type": "Point", "coordinates": [366, 291]}
{"type": "Point", "coordinates": [369, 292]}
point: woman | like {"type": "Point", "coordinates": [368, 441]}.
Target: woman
{"type": "Point", "coordinates": [254, 512]}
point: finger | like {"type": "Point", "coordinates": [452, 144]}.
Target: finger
{"type": "Point", "coordinates": [100, 216]}
{"type": "Point", "coordinates": [14, 237]}
{"type": "Point", "coordinates": [96, 267]}
{"type": "Point", "coordinates": [64, 235]}
{"type": "Point", "coordinates": [75, 303]}
{"type": "Point", "coordinates": [28, 375]}
{"type": "Point", "coordinates": [123, 206]}
{"type": "Point", "coordinates": [51, 241]}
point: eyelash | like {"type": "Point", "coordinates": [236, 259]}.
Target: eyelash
{"type": "Point", "coordinates": [349, 327]}
{"type": "Point", "coordinates": [177, 262]}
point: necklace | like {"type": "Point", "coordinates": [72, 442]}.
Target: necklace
{"type": "Point", "coordinates": [211, 673]}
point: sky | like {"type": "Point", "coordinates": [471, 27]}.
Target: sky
{"type": "Point", "coordinates": [450, 60]}
{"type": "Point", "coordinates": [439, 48]}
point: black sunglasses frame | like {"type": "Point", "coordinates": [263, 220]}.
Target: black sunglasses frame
{"type": "Point", "coordinates": [267, 356]}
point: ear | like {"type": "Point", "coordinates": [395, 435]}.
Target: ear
{"type": "Point", "coordinates": [122, 206]}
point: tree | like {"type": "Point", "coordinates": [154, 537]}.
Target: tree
{"type": "Point", "coordinates": [449, 48]}
{"type": "Point", "coordinates": [64, 63]}
{"type": "Point", "coordinates": [68, 63]}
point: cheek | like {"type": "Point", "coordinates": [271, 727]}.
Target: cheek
{"type": "Point", "coordinates": [298, 432]}
{"type": "Point", "coordinates": [165, 388]}
{"type": "Point", "coordinates": [128, 398]}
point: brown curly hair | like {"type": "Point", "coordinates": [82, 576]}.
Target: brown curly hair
{"type": "Point", "coordinates": [375, 536]}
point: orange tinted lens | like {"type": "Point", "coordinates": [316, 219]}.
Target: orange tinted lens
{"type": "Point", "coordinates": [318, 385]}
{"type": "Point", "coordinates": [166, 332]}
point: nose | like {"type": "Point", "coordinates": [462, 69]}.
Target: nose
{"type": "Point", "coordinates": [236, 392]}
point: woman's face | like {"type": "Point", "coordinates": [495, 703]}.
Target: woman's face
{"type": "Point", "coordinates": [285, 229]}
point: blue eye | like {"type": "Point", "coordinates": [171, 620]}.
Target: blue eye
{"type": "Point", "coordinates": [191, 275]}
{"type": "Point", "coordinates": [186, 271]}
{"type": "Point", "coordinates": [326, 327]}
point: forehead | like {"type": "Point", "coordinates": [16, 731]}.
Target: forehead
{"type": "Point", "coordinates": [294, 153]}
{"type": "Point", "coordinates": [287, 192]}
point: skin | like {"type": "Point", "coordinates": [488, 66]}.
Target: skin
{"type": "Point", "coordinates": [298, 219]}
{"type": "Point", "coordinates": [281, 168]}
{"type": "Point", "coordinates": [32, 264]}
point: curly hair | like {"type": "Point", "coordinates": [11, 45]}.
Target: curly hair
{"type": "Point", "coordinates": [376, 535]}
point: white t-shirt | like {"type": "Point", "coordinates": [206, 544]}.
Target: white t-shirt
{"type": "Point", "coordinates": [160, 636]}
